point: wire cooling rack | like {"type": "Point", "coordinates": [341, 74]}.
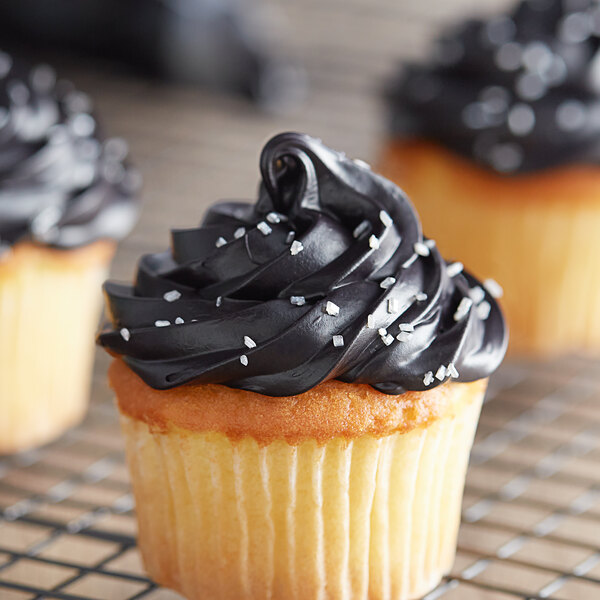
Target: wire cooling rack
{"type": "Point", "coordinates": [531, 514]}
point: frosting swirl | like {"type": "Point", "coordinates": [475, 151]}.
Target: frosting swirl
{"type": "Point", "coordinates": [326, 276]}
{"type": "Point", "coordinates": [515, 93]}
{"type": "Point", "coordinates": [61, 183]}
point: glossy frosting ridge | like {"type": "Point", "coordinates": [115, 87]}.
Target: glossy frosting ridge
{"type": "Point", "coordinates": [327, 276]}
{"type": "Point", "coordinates": [515, 93]}
{"type": "Point", "coordinates": [62, 184]}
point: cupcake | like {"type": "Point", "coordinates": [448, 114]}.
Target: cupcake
{"type": "Point", "coordinates": [497, 141]}
{"type": "Point", "coordinates": [66, 196]}
{"type": "Point", "coordinates": [299, 382]}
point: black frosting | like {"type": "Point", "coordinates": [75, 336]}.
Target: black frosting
{"type": "Point", "coordinates": [236, 301]}
{"type": "Point", "coordinates": [515, 93]}
{"type": "Point", "coordinates": [61, 183]}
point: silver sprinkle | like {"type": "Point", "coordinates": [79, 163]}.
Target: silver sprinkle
{"type": "Point", "coordinates": [421, 249]}
{"type": "Point", "coordinates": [476, 294]}
{"type": "Point", "coordinates": [387, 282]}
{"type": "Point", "coordinates": [273, 217]}
{"type": "Point", "coordinates": [290, 237]}
{"type": "Point", "coordinates": [387, 339]}
{"type": "Point", "coordinates": [374, 242]}
{"type": "Point", "coordinates": [82, 124]}
{"type": "Point", "coordinates": [406, 327]}
{"type": "Point", "coordinates": [371, 321]}
{"type": "Point", "coordinates": [483, 310]}
{"type": "Point", "coordinates": [296, 247]}
{"type": "Point", "coordinates": [441, 373]}
{"type": "Point", "coordinates": [239, 232]}
{"type": "Point", "coordinates": [221, 241]}
{"type": "Point", "coordinates": [332, 309]}
{"type": "Point", "coordinates": [463, 308]}
{"type": "Point", "coordinates": [298, 300]}
{"type": "Point", "coordinates": [382, 331]}
{"type": "Point", "coordinates": [161, 323]}
{"type": "Point", "coordinates": [428, 378]}
{"type": "Point", "coordinates": [493, 287]}
{"type": "Point", "coordinates": [454, 269]}
{"type": "Point", "coordinates": [404, 336]}
{"type": "Point", "coordinates": [125, 334]}
{"type": "Point", "coordinates": [249, 342]}
{"type": "Point", "coordinates": [575, 28]}
{"type": "Point", "coordinates": [219, 301]}
{"type": "Point", "coordinates": [179, 321]}
{"type": "Point", "coordinates": [338, 341]}
{"type": "Point", "coordinates": [521, 119]}
{"type": "Point", "coordinates": [244, 360]}
{"type": "Point", "coordinates": [172, 295]}
{"type": "Point", "coordinates": [451, 371]}
{"type": "Point", "coordinates": [530, 86]}
{"type": "Point", "coordinates": [420, 297]}
{"type": "Point", "coordinates": [537, 56]}
{"type": "Point", "coordinates": [385, 218]}
{"type": "Point", "coordinates": [571, 115]}
{"type": "Point", "coordinates": [264, 228]}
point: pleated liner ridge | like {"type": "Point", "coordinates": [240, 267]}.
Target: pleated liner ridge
{"type": "Point", "coordinates": [49, 310]}
{"type": "Point", "coordinates": [369, 518]}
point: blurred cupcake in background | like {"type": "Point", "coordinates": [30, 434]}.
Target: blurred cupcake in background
{"type": "Point", "coordinates": [66, 196]}
{"type": "Point", "coordinates": [497, 140]}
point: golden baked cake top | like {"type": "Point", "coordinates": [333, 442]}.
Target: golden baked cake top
{"type": "Point", "coordinates": [330, 410]}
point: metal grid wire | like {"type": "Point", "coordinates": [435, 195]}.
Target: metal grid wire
{"type": "Point", "coordinates": [531, 515]}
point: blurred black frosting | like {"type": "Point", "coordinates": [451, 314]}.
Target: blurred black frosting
{"type": "Point", "coordinates": [515, 93]}
{"type": "Point", "coordinates": [62, 183]}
